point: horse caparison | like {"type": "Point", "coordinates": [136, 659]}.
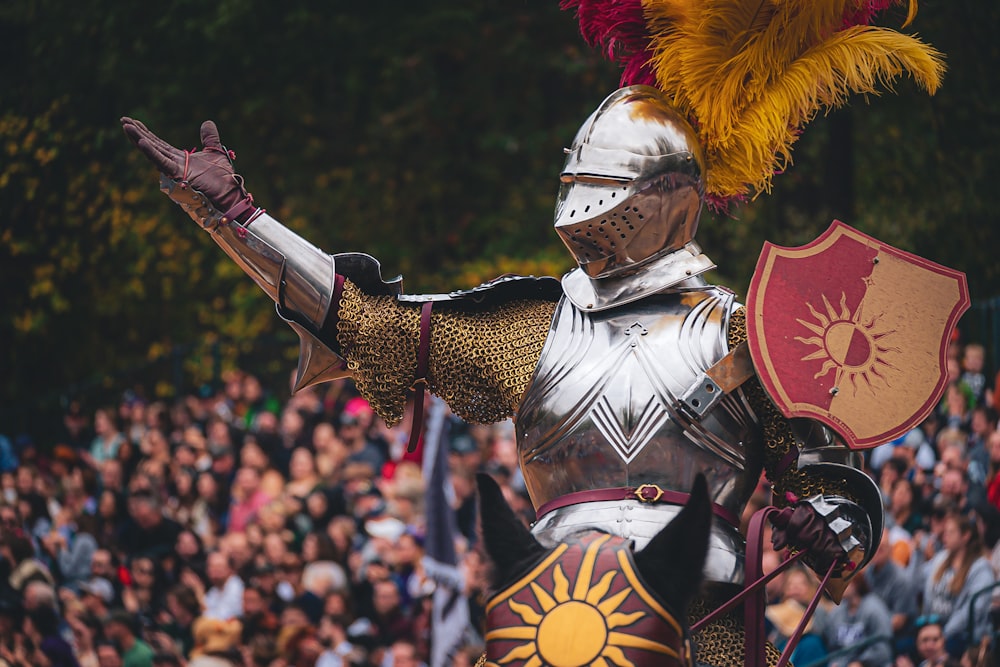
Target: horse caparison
{"type": "Point", "coordinates": [591, 600]}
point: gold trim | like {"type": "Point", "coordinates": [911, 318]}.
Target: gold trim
{"type": "Point", "coordinates": [643, 487]}
{"type": "Point", "coordinates": [641, 591]}
{"type": "Point", "coordinates": [527, 579]}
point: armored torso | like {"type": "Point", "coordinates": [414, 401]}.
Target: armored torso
{"type": "Point", "coordinates": [604, 410]}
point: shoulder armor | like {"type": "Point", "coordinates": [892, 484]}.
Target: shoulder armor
{"type": "Point", "coordinates": [499, 289]}
{"type": "Point", "coordinates": [366, 272]}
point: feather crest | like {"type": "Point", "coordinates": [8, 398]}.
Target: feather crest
{"type": "Point", "coordinates": [750, 74]}
{"type": "Point", "coordinates": [858, 60]}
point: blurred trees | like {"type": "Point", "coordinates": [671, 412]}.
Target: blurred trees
{"type": "Point", "coordinates": [427, 134]}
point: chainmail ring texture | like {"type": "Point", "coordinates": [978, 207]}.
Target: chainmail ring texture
{"type": "Point", "coordinates": [481, 360]}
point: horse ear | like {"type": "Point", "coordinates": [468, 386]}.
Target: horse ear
{"type": "Point", "coordinates": [673, 561]}
{"type": "Point", "coordinates": [509, 543]}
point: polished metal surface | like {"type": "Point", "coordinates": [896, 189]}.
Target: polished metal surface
{"type": "Point", "coordinates": [853, 526]}
{"type": "Point", "coordinates": [632, 184]}
{"type": "Point", "coordinates": [670, 270]}
{"type": "Point", "coordinates": [496, 291]}
{"type": "Point", "coordinates": [824, 455]}
{"type": "Point", "coordinates": [639, 522]}
{"type": "Point", "coordinates": [297, 275]}
{"type": "Point", "coordinates": [603, 409]}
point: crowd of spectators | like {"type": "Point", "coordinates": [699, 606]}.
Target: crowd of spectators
{"type": "Point", "coordinates": [230, 529]}
{"type": "Point", "coordinates": [927, 596]}
{"type": "Point", "coordinates": [236, 529]}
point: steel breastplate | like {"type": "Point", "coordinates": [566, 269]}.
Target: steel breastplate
{"type": "Point", "coordinates": [603, 409]}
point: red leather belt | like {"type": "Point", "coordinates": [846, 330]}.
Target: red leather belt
{"type": "Point", "coordinates": [646, 493]}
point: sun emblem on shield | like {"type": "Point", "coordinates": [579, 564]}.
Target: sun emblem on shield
{"type": "Point", "coordinates": [853, 348]}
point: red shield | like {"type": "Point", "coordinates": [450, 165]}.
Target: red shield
{"type": "Point", "coordinates": [853, 332]}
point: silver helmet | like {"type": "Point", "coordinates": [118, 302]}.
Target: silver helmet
{"type": "Point", "coordinates": [632, 185]}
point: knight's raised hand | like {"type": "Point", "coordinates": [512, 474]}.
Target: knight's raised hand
{"type": "Point", "coordinates": [208, 171]}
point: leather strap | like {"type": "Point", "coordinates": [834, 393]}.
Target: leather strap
{"type": "Point", "coordinates": [423, 361]}
{"type": "Point", "coordinates": [241, 211]}
{"type": "Point", "coordinates": [755, 637]}
{"type": "Point", "coordinates": [747, 590]}
{"type": "Point", "coordinates": [647, 493]}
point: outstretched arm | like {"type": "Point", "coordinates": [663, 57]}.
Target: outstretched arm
{"type": "Point", "coordinates": [481, 351]}
{"type": "Point", "coordinates": [299, 277]}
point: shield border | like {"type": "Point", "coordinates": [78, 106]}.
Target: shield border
{"type": "Point", "coordinates": [758, 343]}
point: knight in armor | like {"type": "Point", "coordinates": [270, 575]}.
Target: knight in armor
{"type": "Point", "coordinates": [605, 372]}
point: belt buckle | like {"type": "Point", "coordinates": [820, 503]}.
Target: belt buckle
{"type": "Point", "coordinates": [648, 493]}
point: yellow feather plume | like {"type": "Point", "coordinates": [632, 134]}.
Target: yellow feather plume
{"type": "Point", "coordinates": [752, 73]}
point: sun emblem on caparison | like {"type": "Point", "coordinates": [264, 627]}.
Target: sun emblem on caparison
{"type": "Point", "coordinates": [854, 349]}
{"type": "Point", "coordinates": [573, 628]}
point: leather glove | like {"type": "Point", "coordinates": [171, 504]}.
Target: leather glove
{"type": "Point", "coordinates": [800, 527]}
{"type": "Point", "coordinates": [208, 171]}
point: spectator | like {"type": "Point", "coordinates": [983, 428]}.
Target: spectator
{"type": "Point", "coordinates": [107, 439]}
{"type": "Point", "coordinates": [248, 498]}
{"type": "Point", "coordinates": [784, 618]}
{"type": "Point", "coordinates": [891, 584]}
{"type": "Point", "coordinates": [144, 595]}
{"type": "Point", "coordinates": [86, 630]}
{"type": "Point", "coordinates": [952, 577]}
{"type": "Point", "coordinates": [122, 629]}
{"type": "Point", "coordinates": [184, 607]}
{"type": "Point", "coordinates": [72, 546]}
{"type": "Point", "coordinates": [148, 531]}
{"type": "Point", "coordinates": [216, 643]}
{"type": "Point", "coordinates": [299, 646]}
{"type": "Point", "coordinates": [992, 477]}
{"type": "Point", "coordinates": [97, 595]}
{"type": "Point", "coordinates": [355, 421]}
{"type": "Point", "coordinates": [904, 506]}
{"type": "Point", "coordinates": [912, 447]}
{"type": "Point", "coordinates": [402, 654]}
{"type": "Point", "coordinates": [303, 479]}
{"type": "Point", "coordinates": [224, 600]}
{"type": "Point", "coordinates": [389, 618]}
{"type": "Point", "coordinates": [973, 362]}
{"type": "Point", "coordinates": [42, 627]}
{"type": "Point", "coordinates": [855, 625]}
{"type": "Point", "coordinates": [107, 654]}
{"type": "Point", "coordinates": [977, 456]}
{"type": "Point", "coordinates": [930, 645]}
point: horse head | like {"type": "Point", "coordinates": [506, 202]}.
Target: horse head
{"type": "Point", "coordinates": [591, 600]}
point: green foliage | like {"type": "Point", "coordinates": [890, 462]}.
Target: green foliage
{"type": "Point", "coordinates": [428, 134]}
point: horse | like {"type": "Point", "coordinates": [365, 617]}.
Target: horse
{"type": "Point", "coordinates": [591, 600]}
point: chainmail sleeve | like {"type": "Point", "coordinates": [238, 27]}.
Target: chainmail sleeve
{"type": "Point", "coordinates": [481, 356]}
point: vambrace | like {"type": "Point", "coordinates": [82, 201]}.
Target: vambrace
{"type": "Point", "coordinates": [301, 279]}
{"type": "Point", "coordinates": [852, 507]}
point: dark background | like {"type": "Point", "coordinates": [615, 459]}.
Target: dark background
{"type": "Point", "coordinates": [428, 134]}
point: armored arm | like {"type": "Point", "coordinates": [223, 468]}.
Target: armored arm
{"type": "Point", "coordinates": [808, 464]}
{"type": "Point", "coordinates": [482, 345]}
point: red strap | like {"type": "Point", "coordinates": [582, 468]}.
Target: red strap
{"type": "Point", "coordinates": [747, 590]}
{"type": "Point", "coordinates": [755, 636]}
{"type": "Point", "coordinates": [423, 356]}
{"type": "Point", "coordinates": [242, 211]}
